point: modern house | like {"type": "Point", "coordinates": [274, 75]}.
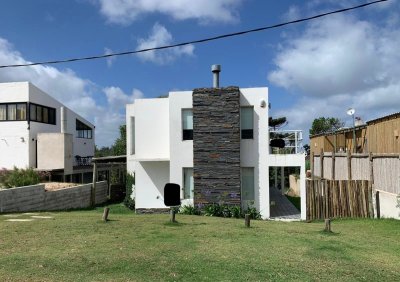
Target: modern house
{"type": "Point", "coordinates": [213, 142]}
{"type": "Point", "coordinates": [39, 132]}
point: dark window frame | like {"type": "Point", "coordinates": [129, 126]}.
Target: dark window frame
{"type": "Point", "coordinates": [187, 134]}
{"type": "Point", "coordinates": [246, 134]}
{"type": "Point", "coordinates": [51, 112]}
{"type": "Point", "coordinates": [16, 109]}
{"type": "Point", "coordinates": [83, 130]}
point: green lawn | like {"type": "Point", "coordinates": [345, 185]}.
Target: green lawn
{"type": "Point", "coordinates": [77, 246]}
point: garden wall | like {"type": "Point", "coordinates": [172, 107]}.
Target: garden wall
{"type": "Point", "coordinates": [36, 198]}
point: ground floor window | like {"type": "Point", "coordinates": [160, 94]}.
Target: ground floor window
{"type": "Point", "coordinates": [188, 186]}
{"type": "Point", "coordinates": [247, 178]}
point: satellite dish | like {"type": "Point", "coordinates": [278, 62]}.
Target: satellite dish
{"type": "Point", "coordinates": [351, 111]}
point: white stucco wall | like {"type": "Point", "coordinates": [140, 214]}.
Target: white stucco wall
{"type": "Point", "coordinates": [181, 155]}
{"type": "Point", "coordinates": [254, 152]}
{"type": "Point", "coordinates": [130, 156]}
{"type": "Point", "coordinates": [388, 205]}
{"type": "Point", "coordinates": [151, 178]}
{"type": "Point", "coordinates": [24, 153]}
{"type": "Point", "coordinates": [152, 129]}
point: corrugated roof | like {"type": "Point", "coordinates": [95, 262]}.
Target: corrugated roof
{"type": "Point", "coordinates": [395, 115]}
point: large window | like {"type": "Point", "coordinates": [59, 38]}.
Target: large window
{"type": "Point", "coordinates": [83, 130]}
{"type": "Point", "coordinates": [188, 185]}
{"type": "Point", "coordinates": [187, 124]}
{"type": "Point", "coordinates": [247, 183]}
{"type": "Point", "coordinates": [246, 122]}
{"type": "Point", "coordinates": [42, 114]}
{"type": "Point", "coordinates": [13, 111]}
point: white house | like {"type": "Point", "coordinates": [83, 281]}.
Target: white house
{"type": "Point", "coordinates": [213, 142]}
{"type": "Point", "coordinates": [38, 131]}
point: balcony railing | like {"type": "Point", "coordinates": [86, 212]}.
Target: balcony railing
{"type": "Point", "coordinates": [83, 161]}
{"type": "Point", "coordinates": [293, 141]}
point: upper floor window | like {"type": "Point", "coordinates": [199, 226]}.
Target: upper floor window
{"type": "Point", "coordinates": [83, 130]}
{"type": "Point", "coordinates": [13, 111]}
{"type": "Point", "coordinates": [187, 124]}
{"type": "Point", "coordinates": [246, 122]}
{"type": "Point", "coordinates": [42, 114]}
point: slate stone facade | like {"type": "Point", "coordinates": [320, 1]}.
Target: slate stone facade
{"type": "Point", "coordinates": [216, 145]}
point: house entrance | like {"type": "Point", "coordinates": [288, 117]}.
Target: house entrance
{"type": "Point", "coordinates": [284, 192]}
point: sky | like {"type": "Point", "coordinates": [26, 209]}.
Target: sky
{"type": "Point", "coordinates": [314, 69]}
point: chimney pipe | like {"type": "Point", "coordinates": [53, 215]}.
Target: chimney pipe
{"type": "Point", "coordinates": [216, 69]}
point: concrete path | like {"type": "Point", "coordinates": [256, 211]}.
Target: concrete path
{"type": "Point", "coordinates": [281, 207]}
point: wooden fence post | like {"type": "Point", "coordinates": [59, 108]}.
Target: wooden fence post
{"type": "Point", "coordinates": [349, 165]}
{"type": "Point", "coordinates": [93, 190]}
{"type": "Point", "coordinates": [321, 158]}
{"type": "Point", "coordinates": [333, 165]}
{"type": "Point", "coordinates": [247, 220]}
{"type": "Point", "coordinates": [378, 205]}
{"type": "Point", "coordinates": [105, 214]}
{"type": "Point", "coordinates": [370, 185]}
{"type": "Point", "coordinates": [328, 225]}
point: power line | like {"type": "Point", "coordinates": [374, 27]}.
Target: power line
{"type": "Point", "coordinates": [194, 41]}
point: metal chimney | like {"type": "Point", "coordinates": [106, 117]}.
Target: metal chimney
{"type": "Point", "coordinates": [216, 69]}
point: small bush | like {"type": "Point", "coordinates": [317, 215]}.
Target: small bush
{"type": "Point", "coordinates": [189, 210]}
{"type": "Point", "coordinates": [128, 201]}
{"type": "Point", "coordinates": [19, 177]}
{"type": "Point", "coordinates": [221, 211]}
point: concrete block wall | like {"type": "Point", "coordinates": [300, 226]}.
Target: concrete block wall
{"type": "Point", "coordinates": [36, 198]}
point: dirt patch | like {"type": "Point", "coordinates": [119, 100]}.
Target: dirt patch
{"type": "Point", "coordinates": [52, 186]}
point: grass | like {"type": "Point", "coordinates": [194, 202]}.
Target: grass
{"type": "Point", "coordinates": [78, 246]}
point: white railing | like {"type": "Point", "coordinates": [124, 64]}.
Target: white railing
{"type": "Point", "coordinates": [293, 141]}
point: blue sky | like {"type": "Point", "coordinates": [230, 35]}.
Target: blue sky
{"type": "Point", "coordinates": [313, 69]}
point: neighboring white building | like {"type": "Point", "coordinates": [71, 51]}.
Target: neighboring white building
{"type": "Point", "coordinates": [38, 131]}
{"type": "Point", "coordinates": [213, 142]}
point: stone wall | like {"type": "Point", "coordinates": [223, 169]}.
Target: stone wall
{"type": "Point", "coordinates": [216, 145]}
{"type": "Point", "coordinates": [36, 198]}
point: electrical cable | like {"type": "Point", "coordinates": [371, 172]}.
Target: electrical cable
{"type": "Point", "coordinates": [194, 41]}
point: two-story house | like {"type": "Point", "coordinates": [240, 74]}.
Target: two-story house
{"type": "Point", "coordinates": [39, 132]}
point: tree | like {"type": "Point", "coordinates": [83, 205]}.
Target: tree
{"type": "Point", "coordinates": [119, 147]}
{"type": "Point", "coordinates": [325, 125]}
{"type": "Point", "coordinates": [277, 123]}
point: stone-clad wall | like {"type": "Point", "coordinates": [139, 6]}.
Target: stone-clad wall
{"type": "Point", "coordinates": [216, 145]}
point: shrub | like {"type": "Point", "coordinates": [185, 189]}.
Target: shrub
{"type": "Point", "coordinates": [220, 210]}
{"type": "Point", "coordinates": [19, 177]}
{"type": "Point", "coordinates": [130, 182]}
{"type": "Point", "coordinates": [189, 210]}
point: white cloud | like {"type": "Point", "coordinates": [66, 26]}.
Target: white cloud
{"type": "Point", "coordinates": [117, 99]}
{"type": "Point", "coordinates": [160, 36]}
{"type": "Point", "coordinates": [109, 60]}
{"type": "Point", "coordinates": [337, 63]}
{"type": "Point", "coordinates": [205, 11]}
{"type": "Point", "coordinates": [70, 89]}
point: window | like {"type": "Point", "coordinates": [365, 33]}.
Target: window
{"type": "Point", "coordinates": [42, 114]}
{"type": "Point", "coordinates": [247, 183]}
{"type": "Point", "coordinates": [187, 124]}
{"type": "Point", "coordinates": [3, 112]}
{"type": "Point", "coordinates": [21, 111]}
{"type": "Point", "coordinates": [132, 135]}
{"type": "Point", "coordinates": [188, 185]}
{"type": "Point", "coordinates": [246, 122]}
{"type": "Point", "coordinates": [13, 111]}
{"type": "Point", "coordinates": [83, 130]}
